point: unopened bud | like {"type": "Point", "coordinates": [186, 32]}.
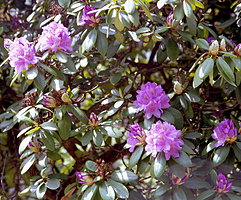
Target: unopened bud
{"type": "Point", "coordinates": [49, 101]}
{"type": "Point", "coordinates": [34, 146]}
{"type": "Point", "coordinates": [237, 50]}
{"type": "Point", "coordinates": [65, 98]}
{"type": "Point", "coordinates": [178, 88]}
{"type": "Point", "coordinates": [223, 45]}
{"type": "Point", "coordinates": [170, 19]}
{"type": "Point", "coordinates": [93, 121]}
{"type": "Point", "coordinates": [214, 48]}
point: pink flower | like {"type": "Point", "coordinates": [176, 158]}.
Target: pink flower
{"type": "Point", "coordinates": [135, 136]}
{"type": "Point", "coordinates": [163, 137]}
{"type": "Point", "coordinates": [225, 131]}
{"type": "Point", "coordinates": [152, 99]}
{"type": "Point", "coordinates": [223, 184]}
{"type": "Point", "coordinates": [21, 54]}
{"type": "Point", "coordinates": [89, 18]}
{"type": "Point", "coordinates": [55, 37]}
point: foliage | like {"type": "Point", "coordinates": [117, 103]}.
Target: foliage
{"type": "Point", "coordinates": [69, 118]}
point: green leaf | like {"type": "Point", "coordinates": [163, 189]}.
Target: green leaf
{"type": "Point", "coordinates": [225, 71]}
{"type": "Point", "coordinates": [120, 189]}
{"type": "Point", "coordinates": [196, 183]}
{"type": "Point", "coordinates": [115, 78]}
{"type": "Point", "coordinates": [27, 163]}
{"type": "Point", "coordinates": [179, 194]}
{"type": "Point", "coordinates": [161, 190]}
{"type": "Point", "coordinates": [178, 12]}
{"type": "Point", "coordinates": [89, 41]}
{"type": "Point", "coordinates": [48, 140]}
{"type": "Point", "coordinates": [97, 137]}
{"type": "Point", "coordinates": [203, 44]}
{"type": "Point", "coordinates": [183, 159]}
{"type": "Point", "coordinates": [65, 127]}
{"type": "Point", "coordinates": [39, 81]}
{"type": "Point", "coordinates": [32, 73]}
{"type": "Point", "coordinates": [205, 68]}
{"type": "Point", "coordinates": [91, 165]}
{"type": "Point", "coordinates": [87, 138]}
{"type": "Point", "coordinates": [220, 155]}
{"type": "Point", "coordinates": [159, 165]}
{"type": "Point", "coordinates": [135, 156]}
{"type": "Point", "coordinates": [130, 6]}
{"type": "Point", "coordinates": [62, 57]}
{"type": "Point", "coordinates": [79, 114]}
{"type": "Point", "coordinates": [192, 135]}
{"type": "Point", "coordinates": [89, 194]}
{"type": "Point", "coordinates": [124, 19]}
{"type": "Point", "coordinates": [70, 65]}
{"type": "Point", "coordinates": [161, 3]}
{"type": "Point", "coordinates": [102, 43]}
{"type": "Point", "coordinates": [123, 176]}
{"type": "Point", "coordinates": [53, 155]}
{"type": "Point", "coordinates": [23, 145]}
{"type": "Point", "coordinates": [41, 190]}
{"type": "Point", "coordinates": [106, 191]}
{"type": "Point", "coordinates": [206, 194]}
{"type": "Point", "coordinates": [64, 3]}
{"type": "Point", "coordinates": [197, 80]}
{"type": "Point", "coordinates": [146, 9]}
{"type": "Point", "coordinates": [53, 183]}
{"type": "Point", "coordinates": [134, 18]}
{"type": "Point", "coordinates": [49, 126]}
{"type": "Point", "coordinates": [233, 196]}
{"type": "Point", "coordinates": [187, 9]}
{"type": "Point", "coordinates": [172, 49]}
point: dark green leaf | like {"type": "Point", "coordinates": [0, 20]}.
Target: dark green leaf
{"type": "Point", "coordinates": [65, 127]}
{"type": "Point", "coordinates": [53, 183]}
{"type": "Point", "coordinates": [41, 190]}
{"type": "Point", "coordinates": [92, 166]}
{"type": "Point", "coordinates": [183, 159]}
{"type": "Point", "coordinates": [102, 43]}
{"type": "Point", "coordinates": [135, 156]}
{"type": "Point", "coordinates": [89, 194]}
{"type": "Point", "coordinates": [220, 155]}
{"type": "Point", "coordinates": [64, 3]}
{"type": "Point", "coordinates": [120, 189]}
{"type": "Point", "coordinates": [106, 191]}
{"type": "Point", "coordinates": [159, 165]}
{"type": "Point", "coordinates": [172, 49]}
{"type": "Point", "coordinates": [206, 194]}
{"type": "Point", "coordinates": [123, 176]}
{"type": "Point", "coordinates": [179, 194]}
{"type": "Point", "coordinates": [89, 41]}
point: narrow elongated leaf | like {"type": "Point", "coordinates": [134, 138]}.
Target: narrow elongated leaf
{"type": "Point", "coordinates": [225, 70]}
{"type": "Point", "coordinates": [130, 6]}
{"type": "Point", "coordinates": [27, 163]}
{"type": "Point", "coordinates": [79, 114]}
{"type": "Point", "coordinates": [65, 127]}
{"type": "Point", "coordinates": [89, 194]}
{"type": "Point", "coordinates": [41, 190]}
{"type": "Point", "coordinates": [172, 49]}
{"type": "Point", "coordinates": [106, 191]}
{"type": "Point", "coordinates": [203, 44]}
{"type": "Point", "coordinates": [220, 155]}
{"type": "Point", "coordinates": [179, 194]}
{"type": "Point", "coordinates": [135, 156]}
{"type": "Point", "coordinates": [48, 140]}
{"type": "Point", "coordinates": [206, 194]}
{"type": "Point", "coordinates": [89, 41]}
{"type": "Point", "coordinates": [50, 126]}
{"type": "Point", "coordinates": [102, 43]}
{"type": "Point", "coordinates": [187, 9]}
{"type": "Point", "coordinates": [159, 165]}
{"type": "Point", "coordinates": [183, 159]}
{"type": "Point", "coordinates": [120, 189]}
{"type": "Point", "coordinates": [206, 68]}
{"type": "Point", "coordinates": [123, 176]}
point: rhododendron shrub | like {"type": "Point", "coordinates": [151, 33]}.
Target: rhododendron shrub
{"type": "Point", "coordinates": [127, 99]}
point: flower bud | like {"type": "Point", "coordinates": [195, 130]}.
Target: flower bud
{"type": "Point", "coordinates": [223, 45]}
{"type": "Point", "coordinates": [93, 121]}
{"type": "Point", "coordinates": [34, 146]}
{"type": "Point", "coordinates": [84, 179]}
{"type": "Point", "coordinates": [237, 50]}
{"type": "Point", "coordinates": [49, 101]}
{"type": "Point", "coordinates": [214, 48]}
{"type": "Point", "coordinates": [65, 98]}
{"type": "Point", "coordinates": [170, 19]}
{"type": "Point", "coordinates": [179, 181]}
{"type": "Point", "coordinates": [178, 88]}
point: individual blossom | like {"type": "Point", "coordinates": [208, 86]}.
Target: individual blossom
{"type": "Point", "coordinates": [55, 37]}
{"type": "Point", "coordinates": [214, 48]}
{"type": "Point", "coordinates": [135, 136]}
{"type": "Point", "coordinates": [225, 132]}
{"type": "Point", "coordinates": [84, 178]}
{"type": "Point", "coordinates": [49, 101]}
{"type": "Point", "coordinates": [93, 120]}
{"type": "Point", "coordinates": [223, 184]}
{"type": "Point", "coordinates": [89, 18]}
{"type": "Point", "coordinates": [152, 99]}
{"type": "Point", "coordinates": [163, 137]}
{"type": "Point", "coordinates": [237, 50]}
{"type": "Point", "coordinates": [21, 54]}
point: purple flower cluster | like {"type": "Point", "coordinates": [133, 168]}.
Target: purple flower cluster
{"type": "Point", "coordinates": [152, 99]}
{"type": "Point", "coordinates": [223, 184]}
{"type": "Point", "coordinates": [135, 136]}
{"type": "Point", "coordinates": [93, 120]}
{"type": "Point", "coordinates": [225, 132]}
{"type": "Point", "coordinates": [163, 137]}
{"type": "Point", "coordinates": [21, 54]}
{"type": "Point", "coordinates": [89, 18]}
{"type": "Point", "coordinates": [55, 37]}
